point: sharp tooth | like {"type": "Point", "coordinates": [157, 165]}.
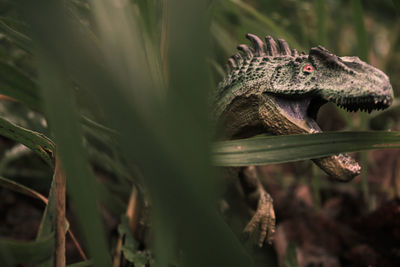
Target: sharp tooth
{"type": "Point", "coordinates": [385, 101]}
{"type": "Point", "coordinates": [376, 101]}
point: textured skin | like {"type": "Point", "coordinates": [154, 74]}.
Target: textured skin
{"type": "Point", "coordinates": [272, 89]}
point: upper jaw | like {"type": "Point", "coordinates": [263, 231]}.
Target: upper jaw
{"type": "Point", "coordinates": [363, 103]}
{"type": "Point", "coordinates": [367, 88]}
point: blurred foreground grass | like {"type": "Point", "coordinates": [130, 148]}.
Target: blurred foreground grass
{"type": "Point", "coordinates": [124, 86]}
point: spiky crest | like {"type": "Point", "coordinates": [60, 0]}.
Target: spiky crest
{"type": "Point", "coordinates": [260, 49]}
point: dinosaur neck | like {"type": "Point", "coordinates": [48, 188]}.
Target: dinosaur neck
{"type": "Point", "coordinates": [250, 77]}
{"type": "Point", "coordinates": [241, 119]}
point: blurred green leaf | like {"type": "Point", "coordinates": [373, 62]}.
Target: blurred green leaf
{"type": "Point", "coordinates": [32, 252]}
{"type": "Point", "coordinates": [97, 126]}
{"type": "Point", "coordinates": [155, 134]}
{"type": "Point", "coordinates": [268, 22]}
{"type": "Point", "coordinates": [130, 245]}
{"type": "Point", "coordinates": [290, 259]}
{"type": "Point", "coordinates": [50, 26]}
{"type": "Point", "coordinates": [81, 264]}
{"type": "Point", "coordinates": [113, 204]}
{"type": "Point", "coordinates": [48, 223]}
{"type": "Point", "coordinates": [320, 9]}
{"type": "Point", "coordinates": [16, 84]}
{"type": "Point", "coordinates": [221, 35]}
{"type": "Point", "coordinates": [20, 39]}
{"type": "Point", "coordinates": [397, 5]}
{"type": "Point", "coordinates": [279, 149]}
{"type": "Point", "coordinates": [363, 52]}
{"type": "Point", "coordinates": [361, 33]}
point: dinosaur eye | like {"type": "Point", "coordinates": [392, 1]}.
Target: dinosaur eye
{"type": "Point", "coordinates": [308, 68]}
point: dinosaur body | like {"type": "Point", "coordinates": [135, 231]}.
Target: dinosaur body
{"type": "Point", "coordinates": [270, 88]}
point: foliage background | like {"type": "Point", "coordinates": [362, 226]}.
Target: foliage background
{"type": "Point", "coordinates": [146, 70]}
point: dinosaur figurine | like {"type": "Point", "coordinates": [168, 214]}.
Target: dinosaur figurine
{"type": "Point", "coordinates": [272, 89]}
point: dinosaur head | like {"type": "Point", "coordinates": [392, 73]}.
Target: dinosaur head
{"type": "Point", "coordinates": [300, 84]}
{"type": "Point", "coordinates": [346, 81]}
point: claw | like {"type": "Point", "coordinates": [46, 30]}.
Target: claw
{"type": "Point", "coordinates": [263, 221]}
{"type": "Point", "coordinates": [262, 224]}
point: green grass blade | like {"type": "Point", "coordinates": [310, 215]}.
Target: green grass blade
{"type": "Point", "coordinates": [16, 84]}
{"type": "Point", "coordinates": [361, 33]}
{"type": "Point", "coordinates": [81, 264]}
{"type": "Point", "coordinates": [39, 143]}
{"type": "Point", "coordinates": [31, 252]}
{"type": "Point", "coordinates": [290, 258]}
{"type": "Point", "coordinates": [48, 223]}
{"type": "Point", "coordinates": [396, 4]}
{"type": "Point", "coordinates": [363, 49]}
{"type": "Point", "coordinates": [115, 205]}
{"type": "Point", "coordinates": [320, 8]}
{"type": "Point", "coordinates": [20, 39]}
{"type": "Point", "coordinates": [222, 37]}
{"type": "Point", "coordinates": [50, 27]}
{"type": "Point", "coordinates": [97, 126]}
{"type": "Point", "coordinates": [154, 132]}
{"type": "Point", "coordinates": [268, 22]}
{"type": "Point", "coordinates": [16, 187]}
{"type": "Point", "coordinates": [279, 149]}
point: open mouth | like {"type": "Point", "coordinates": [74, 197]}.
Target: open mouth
{"type": "Point", "coordinates": [301, 114]}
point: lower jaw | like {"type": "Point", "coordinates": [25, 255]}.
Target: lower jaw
{"type": "Point", "coordinates": [340, 167]}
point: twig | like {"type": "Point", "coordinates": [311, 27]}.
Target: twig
{"type": "Point", "coordinates": [59, 176]}
{"type": "Point", "coordinates": [78, 247]}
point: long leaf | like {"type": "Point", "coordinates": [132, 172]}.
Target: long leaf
{"type": "Point", "coordinates": [32, 252]}
{"type": "Point", "coordinates": [363, 49]}
{"type": "Point", "coordinates": [279, 149]}
{"type": "Point", "coordinates": [320, 9]}
{"type": "Point", "coordinates": [48, 222]}
{"type": "Point", "coordinates": [267, 21]}
{"type": "Point", "coordinates": [19, 38]}
{"type": "Point", "coordinates": [51, 26]}
{"type": "Point", "coordinates": [14, 83]}
{"type": "Point", "coordinates": [81, 264]}
{"type": "Point", "coordinates": [39, 143]}
{"type": "Point", "coordinates": [397, 6]}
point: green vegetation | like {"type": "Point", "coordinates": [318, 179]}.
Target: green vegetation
{"type": "Point", "coordinates": [124, 88]}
